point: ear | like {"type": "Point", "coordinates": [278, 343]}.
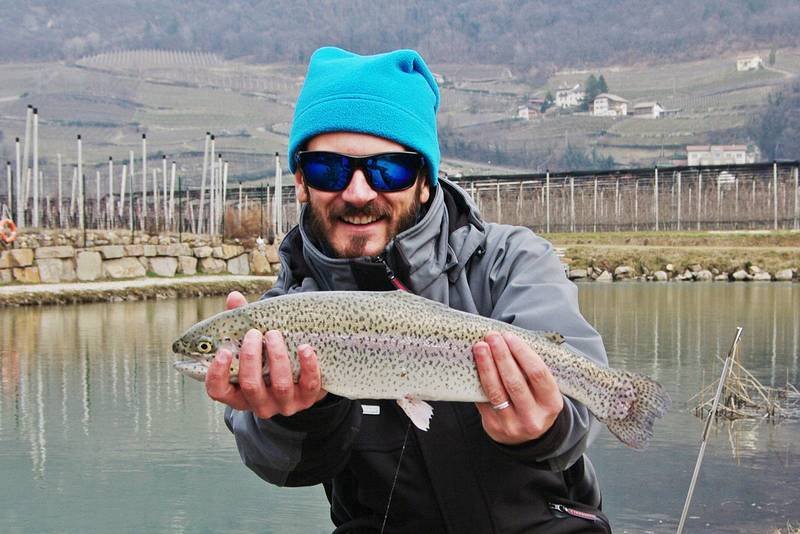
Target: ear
{"type": "Point", "coordinates": [425, 190]}
{"type": "Point", "coordinates": [299, 189]}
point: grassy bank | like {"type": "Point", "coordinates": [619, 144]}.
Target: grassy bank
{"type": "Point", "coordinates": [652, 251]}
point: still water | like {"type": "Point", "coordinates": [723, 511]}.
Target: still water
{"type": "Point", "coordinates": [99, 434]}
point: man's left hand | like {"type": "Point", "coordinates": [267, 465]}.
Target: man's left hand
{"type": "Point", "coordinates": [510, 371]}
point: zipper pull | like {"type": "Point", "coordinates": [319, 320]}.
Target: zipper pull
{"type": "Point", "coordinates": [390, 273]}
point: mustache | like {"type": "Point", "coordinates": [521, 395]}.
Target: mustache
{"type": "Point", "coordinates": [367, 210]}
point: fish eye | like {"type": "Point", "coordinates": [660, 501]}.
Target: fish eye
{"type": "Point", "coordinates": [205, 346]}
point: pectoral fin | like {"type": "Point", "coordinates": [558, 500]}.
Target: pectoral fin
{"type": "Point", "coordinates": [419, 411]}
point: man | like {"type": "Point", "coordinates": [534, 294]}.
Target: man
{"type": "Point", "coordinates": [514, 464]}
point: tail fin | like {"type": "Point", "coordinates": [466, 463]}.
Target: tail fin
{"type": "Point", "coordinates": [651, 401]}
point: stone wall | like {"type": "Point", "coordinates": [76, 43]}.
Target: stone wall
{"type": "Point", "coordinates": [68, 256]}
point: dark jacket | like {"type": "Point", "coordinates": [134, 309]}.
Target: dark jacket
{"type": "Point", "coordinates": [454, 477]}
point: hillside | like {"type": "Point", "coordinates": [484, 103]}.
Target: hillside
{"type": "Point", "coordinates": [175, 97]}
{"type": "Point", "coordinates": [535, 38]}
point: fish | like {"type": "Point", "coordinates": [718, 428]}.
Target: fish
{"type": "Point", "coordinates": [401, 346]}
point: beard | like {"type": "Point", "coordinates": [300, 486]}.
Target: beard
{"type": "Point", "coordinates": [320, 222]}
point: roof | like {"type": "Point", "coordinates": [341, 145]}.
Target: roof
{"type": "Point", "coordinates": [610, 97]}
{"type": "Point", "coordinates": [709, 148]}
{"type": "Point", "coordinates": [646, 105]}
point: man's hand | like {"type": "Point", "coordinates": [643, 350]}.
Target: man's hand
{"type": "Point", "coordinates": [510, 371]}
{"type": "Point", "coordinates": [282, 395]}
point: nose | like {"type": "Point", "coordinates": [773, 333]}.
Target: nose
{"type": "Point", "coordinates": [358, 191]}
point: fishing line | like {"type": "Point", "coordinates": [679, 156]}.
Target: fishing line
{"type": "Point", "coordinates": [394, 482]}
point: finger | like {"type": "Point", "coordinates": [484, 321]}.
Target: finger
{"type": "Point", "coordinates": [310, 380]}
{"type": "Point", "coordinates": [488, 374]}
{"type": "Point", "coordinates": [218, 384]}
{"type": "Point", "coordinates": [234, 300]}
{"type": "Point", "coordinates": [514, 381]}
{"type": "Point", "coordinates": [280, 370]}
{"type": "Point", "coordinates": [543, 384]}
{"type": "Point", "coordinates": [251, 378]}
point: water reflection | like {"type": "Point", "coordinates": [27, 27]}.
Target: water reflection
{"type": "Point", "coordinates": [93, 417]}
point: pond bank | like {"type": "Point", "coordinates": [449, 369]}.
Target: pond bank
{"type": "Point", "coordinates": [129, 290]}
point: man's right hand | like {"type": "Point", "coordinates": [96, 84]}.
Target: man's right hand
{"type": "Point", "coordinates": [282, 395]}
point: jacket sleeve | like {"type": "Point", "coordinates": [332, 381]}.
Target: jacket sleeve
{"type": "Point", "coordinates": [528, 288]}
{"type": "Point", "coordinates": [306, 448]}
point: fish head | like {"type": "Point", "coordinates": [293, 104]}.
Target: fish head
{"type": "Point", "coordinates": [222, 331]}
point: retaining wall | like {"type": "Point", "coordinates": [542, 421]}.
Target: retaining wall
{"type": "Point", "coordinates": [70, 256]}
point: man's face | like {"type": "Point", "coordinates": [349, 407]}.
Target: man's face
{"type": "Point", "coordinates": [359, 221]}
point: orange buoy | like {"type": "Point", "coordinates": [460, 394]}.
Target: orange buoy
{"type": "Point", "coordinates": [8, 231]}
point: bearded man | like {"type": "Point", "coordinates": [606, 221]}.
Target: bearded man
{"type": "Point", "coordinates": [377, 217]}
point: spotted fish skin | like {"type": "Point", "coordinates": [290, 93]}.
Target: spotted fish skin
{"type": "Point", "coordinates": [396, 345]}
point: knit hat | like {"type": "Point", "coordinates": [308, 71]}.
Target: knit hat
{"type": "Point", "coordinates": [391, 95]}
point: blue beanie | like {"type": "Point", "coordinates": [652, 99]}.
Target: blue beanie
{"type": "Point", "coordinates": [391, 95]}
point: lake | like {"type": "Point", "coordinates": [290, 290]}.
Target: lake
{"type": "Point", "coordinates": [98, 433]}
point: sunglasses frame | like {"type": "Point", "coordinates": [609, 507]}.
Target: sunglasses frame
{"type": "Point", "coordinates": [358, 162]}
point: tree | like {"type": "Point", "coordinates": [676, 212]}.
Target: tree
{"type": "Point", "coordinates": [548, 102]}
{"type": "Point", "coordinates": [771, 58]}
{"type": "Point", "coordinates": [594, 87]}
{"type": "Point", "coordinates": [776, 130]}
{"type": "Point", "coordinates": [602, 87]}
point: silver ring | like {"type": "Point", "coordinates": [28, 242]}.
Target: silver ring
{"type": "Point", "coordinates": [501, 406]}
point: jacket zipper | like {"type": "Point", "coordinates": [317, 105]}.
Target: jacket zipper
{"type": "Point", "coordinates": [390, 273]}
{"type": "Point", "coordinates": [576, 513]}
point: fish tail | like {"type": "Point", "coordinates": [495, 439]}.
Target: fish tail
{"type": "Point", "coordinates": [649, 402]}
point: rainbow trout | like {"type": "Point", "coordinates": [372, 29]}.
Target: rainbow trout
{"type": "Point", "coordinates": [396, 345]}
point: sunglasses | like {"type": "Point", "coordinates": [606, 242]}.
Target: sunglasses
{"type": "Point", "coordinates": [386, 172]}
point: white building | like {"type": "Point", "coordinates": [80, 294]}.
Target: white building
{"type": "Point", "coordinates": [608, 105]}
{"type": "Point", "coordinates": [648, 110]}
{"type": "Point", "coordinates": [749, 63]}
{"type": "Point", "coordinates": [569, 97]}
{"type": "Point", "coordinates": [699, 155]}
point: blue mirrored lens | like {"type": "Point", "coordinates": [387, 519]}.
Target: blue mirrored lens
{"type": "Point", "coordinates": [329, 172]}
{"type": "Point", "coordinates": [392, 172]}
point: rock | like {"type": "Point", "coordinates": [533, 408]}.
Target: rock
{"type": "Point", "coordinates": [754, 269]}
{"type": "Point", "coordinates": [259, 264]}
{"type": "Point", "coordinates": [741, 275]}
{"type": "Point", "coordinates": [123, 268]}
{"type": "Point", "coordinates": [239, 265]}
{"type": "Point", "coordinates": [144, 261]}
{"type": "Point", "coordinates": [784, 275]}
{"type": "Point", "coordinates": [721, 277]}
{"type": "Point", "coordinates": [715, 271]}
{"type": "Point", "coordinates": [687, 276]}
{"type": "Point", "coordinates": [605, 276]}
{"type": "Point", "coordinates": [187, 265]}
{"type": "Point", "coordinates": [110, 252]}
{"type": "Point", "coordinates": [276, 267]}
{"type": "Point", "coordinates": [174, 249]}
{"type": "Point", "coordinates": [68, 270]}
{"type": "Point", "coordinates": [26, 275]}
{"type": "Point", "coordinates": [575, 274]}
{"type": "Point", "coordinates": [621, 272]}
{"type": "Point", "coordinates": [660, 276]}
{"type": "Point", "coordinates": [164, 266]}
{"type": "Point", "coordinates": [21, 257]}
{"type": "Point", "coordinates": [5, 259]}
{"type": "Point", "coordinates": [696, 268]}
{"type": "Point", "coordinates": [55, 252]}
{"type": "Point", "coordinates": [670, 268]}
{"type": "Point", "coordinates": [226, 252]}
{"type": "Point", "coordinates": [90, 266]}
{"type": "Point", "coordinates": [49, 270]}
{"type": "Point", "coordinates": [762, 276]}
{"type": "Point", "coordinates": [203, 252]}
{"type": "Point", "coordinates": [150, 250]}
{"type": "Point", "coordinates": [271, 252]}
{"type": "Point", "coordinates": [703, 276]}
{"type": "Point", "coordinates": [134, 250]}
{"type": "Point", "coordinates": [6, 276]}
{"type": "Point", "coordinates": [212, 266]}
